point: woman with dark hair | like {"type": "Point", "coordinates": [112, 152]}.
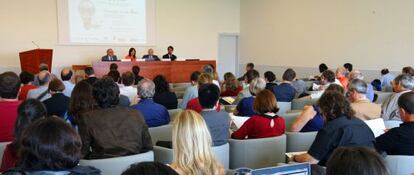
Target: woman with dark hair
{"type": "Point", "coordinates": [149, 168]}
{"type": "Point", "coordinates": [131, 54]}
{"type": "Point", "coordinates": [265, 123]}
{"type": "Point", "coordinates": [356, 160]}
{"type": "Point", "coordinates": [28, 111]}
{"type": "Point", "coordinates": [109, 130]}
{"type": "Point", "coordinates": [81, 101]}
{"type": "Point", "coordinates": [114, 73]}
{"type": "Point", "coordinates": [50, 146]}
{"type": "Point", "coordinates": [311, 118]}
{"type": "Point", "coordinates": [163, 95]}
{"type": "Point", "coordinates": [137, 77]}
{"type": "Point", "coordinates": [342, 129]}
{"type": "Point", "coordinates": [231, 86]}
{"type": "Point", "coordinates": [58, 103]}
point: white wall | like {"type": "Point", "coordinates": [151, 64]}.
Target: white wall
{"type": "Point", "coordinates": [191, 26]}
{"type": "Point", "coordinates": [371, 34]}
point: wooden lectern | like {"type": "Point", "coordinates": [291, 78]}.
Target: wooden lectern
{"type": "Point", "coordinates": [30, 60]}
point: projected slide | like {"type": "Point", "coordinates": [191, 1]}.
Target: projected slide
{"type": "Point", "coordinates": [106, 21]}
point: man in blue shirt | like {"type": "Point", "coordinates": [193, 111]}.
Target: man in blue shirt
{"type": "Point", "coordinates": [154, 113]}
{"type": "Point", "coordinates": [285, 92]}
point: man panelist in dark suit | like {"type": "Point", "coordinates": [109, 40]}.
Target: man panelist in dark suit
{"type": "Point", "coordinates": [170, 54]}
{"type": "Point", "coordinates": [109, 56]}
{"type": "Point", "coordinates": [150, 56]}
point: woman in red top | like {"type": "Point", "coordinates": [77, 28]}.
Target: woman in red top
{"type": "Point", "coordinates": [131, 54]}
{"type": "Point", "coordinates": [26, 79]}
{"type": "Point", "coordinates": [266, 123]}
{"type": "Point", "coordinates": [231, 86]}
{"type": "Point", "coordinates": [28, 111]}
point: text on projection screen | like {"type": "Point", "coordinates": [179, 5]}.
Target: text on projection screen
{"type": "Point", "coordinates": [107, 21]}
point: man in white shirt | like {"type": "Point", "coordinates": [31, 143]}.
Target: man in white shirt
{"type": "Point", "coordinates": [401, 84]}
{"type": "Point", "coordinates": [66, 76]}
{"type": "Point", "coordinates": [127, 89]}
{"type": "Point", "coordinates": [327, 78]}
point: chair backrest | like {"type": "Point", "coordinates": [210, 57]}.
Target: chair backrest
{"type": "Point", "coordinates": [301, 103]}
{"type": "Point", "coordinates": [392, 123]}
{"type": "Point", "coordinates": [221, 153]}
{"type": "Point", "coordinates": [400, 165]}
{"type": "Point", "coordinates": [289, 119]}
{"type": "Point", "coordinates": [284, 107]}
{"type": "Point", "coordinates": [257, 153]}
{"type": "Point", "coordinates": [299, 141]}
{"type": "Point", "coordinates": [229, 108]}
{"type": "Point", "coordinates": [173, 113]}
{"type": "Point", "coordinates": [117, 165]}
{"type": "Point", "coordinates": [382, 96]}
{"type": "Point", "coordinates": [2, 148]}
{"type": "Point", "coordinates": [161, 133]}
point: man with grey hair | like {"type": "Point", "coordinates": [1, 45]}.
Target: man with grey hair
{"type": "Point", "coordinates": [356, 74]}
{"type": "Point", "coordinates": [403, 83]}
{"type": "Point", "coordinates": [41, 93]}
{"type": "Point", "coordinates": [364, 109]}
{"type": "Point", "coordinates": [154, 113]}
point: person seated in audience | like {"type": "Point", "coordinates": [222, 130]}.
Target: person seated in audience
{"type": "Point", "coordinates": [356, 74]}
{"type": "Point", "coordinates": [218, 122]}
{"type": "Point", "coordinates": [194, 104]}
{"type": "Point", "coordinates": [248, 77]}
{"type": "Point", "coordinates": [192, 150]}
{"type": "Point", "coordinates": [340, 74]}
{"type": "Point", "coordinates": [311, 118]}
{"type": "Point", "coordinates": [110, 56]}
{"type": "Point", "coordinates": [149, 168]}
{"type": "Point", "coordinates": [364, 108]}
{"type": "Point", "coordinates": [150, 56]}
{"type": "Point", "coordinates": [270, 78]}
{"type": "Point", "coordinates": [28, 111]}
{"type": "Point", "coordinates": [43, 67]}
{"type": "Point", "coordinates": [348, 67]}
{"type": "Point", "coordinates": [80, 101]}
{"type": "Point", "coordinates": [132, 54]}
{"type": "Point", "coordinates": [376, 84]}
{"type": "Point", "coordinates": [58, 103]}
{"type": "Point", "coordinates": [322, 68]}
{"type": "Point", "coordinates": [190, 92]}
{"type": "Point", "coordinates": [285, 92]}
{"type": "Point", "coordinates": [327, 78]}
{"type": "Point", "coordinates": [154, 113]}
{"type": "Point", "coordinates": [9, 90]}
{"type": "Point", "coordinates": [127, 89]}
{"type": "Point", "coordinates": [41, 93]}
{"type": "Point", "coordinates": [163, 95]}
{"type": "Point", "coordinates": [135, 71]}
{"type": "Point", "coordinates": [230, 86]}
{"type": "Point", "coordinates": [114, 73]}
{"type": "Point", "coordinates": [401, 84]}
{"type": "Point", "coordinates": [400, 140]}
{"type": "Point", "coordinates": [266, 123]}
{"type": "Point", "coordinates": [386, 80]}
{"type": "Point", "coordinates": [50, 146]}
{"type": "Point", "coordinates": [66, 76]}
{"type": "Point", "coordinates": [249, 66]}
{"type": "Point", "coordinates": [356, 160]}
{"type": "Point", "coordinates": [342, 129]}
{"type": "Point", "coordinates": [90, 75]}
{"type": "Point", "coordinates": [170, 54]}
{"type": "Point", "coordinates": [300, 87]}
{"type": "Point", "coordinates": [408, 70]}
{"type": "Point", "coordinates": [209, 69]}
{"type": "Point", "coordinates": [245, 106]}
{"type": "Point", "coordinates": [26, 79]}
{"type": "Point", "coordinates": [104, 142]}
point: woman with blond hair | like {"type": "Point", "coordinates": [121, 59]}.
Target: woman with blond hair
{"type": "Point", "coordinates": [192, 146]}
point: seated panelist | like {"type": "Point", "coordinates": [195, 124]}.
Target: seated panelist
{"type": "Point", "coordinates": [109, 56]}
{"type": "Point", "coordinates": [132, 54]}
{"type": "Point", "coordinates": [150, 56]}
{"type": "Point", "coordinates": [170, 54]}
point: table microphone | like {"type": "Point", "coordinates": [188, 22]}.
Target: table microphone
{"type": "Point", "coordinates": [36, 44]}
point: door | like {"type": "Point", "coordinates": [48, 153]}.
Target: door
{"type": "Point", "coordinates": [228, 54]}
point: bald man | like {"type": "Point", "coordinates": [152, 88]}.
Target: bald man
{"type": "Point", "coordinates": [150, 56]}
{"type": "Point", "coordinates": [67, 80]}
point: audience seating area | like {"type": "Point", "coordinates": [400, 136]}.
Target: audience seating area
{"type": "Point", "coordinates": [400, 165]}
